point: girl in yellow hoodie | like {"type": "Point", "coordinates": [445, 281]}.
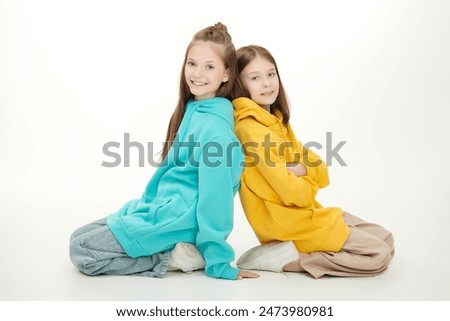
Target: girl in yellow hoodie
{"type": "Point", "coordinates": [279, 186]}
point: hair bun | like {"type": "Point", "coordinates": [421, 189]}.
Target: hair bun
{"type": "Point", "coordinates": [220, 26]}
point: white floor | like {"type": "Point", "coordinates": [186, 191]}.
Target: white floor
{"type": "Point", "coordinates": [35, 266]}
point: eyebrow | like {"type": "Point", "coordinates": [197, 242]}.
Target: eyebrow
{"type": "Point", "coordinates": [259, 72]}
{"type": "Point", "coordinates": [207, 62]}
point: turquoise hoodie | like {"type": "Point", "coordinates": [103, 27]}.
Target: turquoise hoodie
{"type": "Point", "coordinates": [190, 196]}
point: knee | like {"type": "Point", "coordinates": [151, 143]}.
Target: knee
{"type": "Point", "coordinates": [383, 257]}
{"type": "Point", "coordinates": [77, 232]}
{"type": "Point", "coordinates": [78, 255]}
{"type": "Point", "coordinates": [390, 242]}
{"type": "Point", "coordinates": [75, 252]}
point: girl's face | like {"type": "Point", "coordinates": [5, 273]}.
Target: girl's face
{"type": "Point", "coordinates": [204, 71]}
{"type": "Point", "coordinates": [261, 80]}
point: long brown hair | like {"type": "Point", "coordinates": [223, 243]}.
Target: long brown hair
{"type": "Point", "coordinates": [244, 56]}
{"type": "Point", "coordinates": [218, 35]}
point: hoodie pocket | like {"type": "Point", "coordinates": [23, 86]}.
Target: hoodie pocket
{"type": "Point", "coordinates": [170, 209]}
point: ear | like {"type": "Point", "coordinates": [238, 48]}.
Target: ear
{"type": "Point", "coordinates": [225, 77]}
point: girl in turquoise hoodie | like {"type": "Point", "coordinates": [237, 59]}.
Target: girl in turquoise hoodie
{"type": "Point", "coordinates": [184, 217]}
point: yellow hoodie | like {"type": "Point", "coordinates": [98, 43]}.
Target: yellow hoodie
{"type": "Point", "coordinates": [278, 204]}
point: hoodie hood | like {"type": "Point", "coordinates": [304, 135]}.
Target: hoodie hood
{"type": "Point", "coordinates": [247, 108]}
{"type": "Point", "coordinates": [214, 106]}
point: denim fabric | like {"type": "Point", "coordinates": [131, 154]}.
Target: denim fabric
{"type": "Point", "coordinates": [94, 250]}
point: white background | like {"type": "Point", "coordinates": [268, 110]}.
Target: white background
{"type": "Point", "coordinates": [75, 75]}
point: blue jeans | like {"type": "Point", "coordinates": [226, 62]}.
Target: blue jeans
{"type": "Point", "coordinates": [94, 250]}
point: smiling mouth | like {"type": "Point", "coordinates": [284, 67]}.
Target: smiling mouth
{"type": "Point", "coordinates": [269, 93]}
{"type": "Point", "coordinates": [197, 83]}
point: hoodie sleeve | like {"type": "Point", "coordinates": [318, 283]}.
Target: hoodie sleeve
{"type": "Point", "coordinates": [263, 155]}
{"type": "Point", "coordinates": [215, 206]}
{"type": "Point", "coordinates": [315, 167]}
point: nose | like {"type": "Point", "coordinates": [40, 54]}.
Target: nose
{"type": "Point", "coordinates": [265, 82]}
{"type": "Point", "coordinates": [196, 72]}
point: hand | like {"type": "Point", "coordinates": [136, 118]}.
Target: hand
{"type": "Point", "coordinates": [246, 275]}
{"type": "Point", "coordinates": [296, 168]}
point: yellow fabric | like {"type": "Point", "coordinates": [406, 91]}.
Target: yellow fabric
{"type": "Point", "coordinates": [278, 204]}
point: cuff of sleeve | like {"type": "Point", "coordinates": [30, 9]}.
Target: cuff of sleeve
{"type": "Point", "coordinates": [227, 272]}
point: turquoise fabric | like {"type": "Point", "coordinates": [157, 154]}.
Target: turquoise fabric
{"type": "Point", "coordinates": [190, 196]}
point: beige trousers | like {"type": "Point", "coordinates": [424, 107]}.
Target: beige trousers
{"type": "Point", "coordinates": [367, 252]}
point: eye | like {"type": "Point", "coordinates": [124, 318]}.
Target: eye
{"type": "Point", "coordinates": [190, 63]}
{"type": "Point", "coordinates": [254, 78]}
{"type": "Point", "coordinates": [209, 67]}
{"type": "Point", "coordinates": [272, 74]}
